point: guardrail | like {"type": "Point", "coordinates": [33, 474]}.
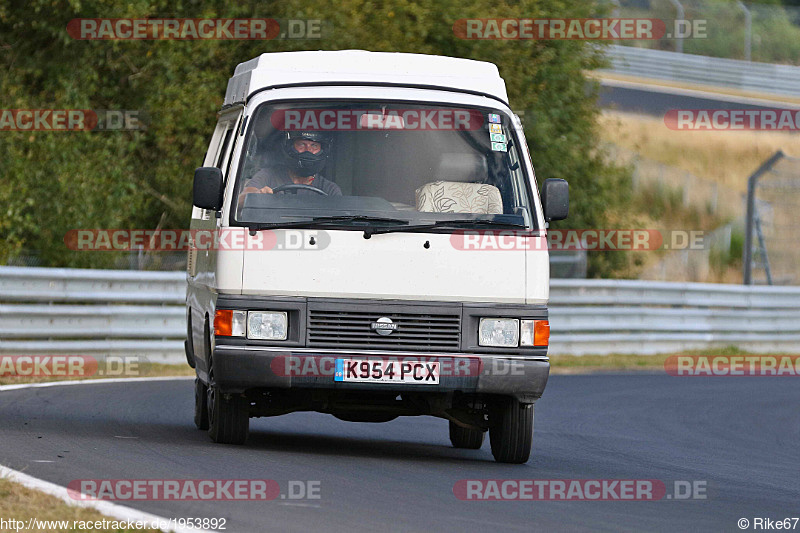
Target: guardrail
{"type": "Point", "coordinates": [92, 312]}
{"type": "Point", "coordinates": [646, 317]}
{"type": "Point", "coordinates": [96, 312]}
{"type": "Point", "coordinates": [705, 70]}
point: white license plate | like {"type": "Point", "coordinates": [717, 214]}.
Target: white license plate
{"type": "Point", "coordinates": [378, 371]}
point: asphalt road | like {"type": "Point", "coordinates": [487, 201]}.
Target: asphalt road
{"type": "Point", "coordinates": [738, 435]}
{"type": "Point", "coordinates": [656, 103]}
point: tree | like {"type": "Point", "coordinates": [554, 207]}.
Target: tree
{"type": "Point", "coordinates": [57, 181]}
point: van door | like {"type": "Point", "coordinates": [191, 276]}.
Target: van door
{"type": "Point", "coordinates": [201, 262]}
{"type": "Point", "coordinates": [219, 155]}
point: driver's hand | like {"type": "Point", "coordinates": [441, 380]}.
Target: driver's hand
{"type": "Point", "coordinates": [248, 190]}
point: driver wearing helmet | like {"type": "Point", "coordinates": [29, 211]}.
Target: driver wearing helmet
{"type": "Point", "coordinates": [305, 154]}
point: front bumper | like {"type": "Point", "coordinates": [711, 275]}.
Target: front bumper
{"type": "Point", "coordinates": [239, 368]}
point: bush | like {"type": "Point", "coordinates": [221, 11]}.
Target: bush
{"type": "Point", "coordinates": [59, 181]}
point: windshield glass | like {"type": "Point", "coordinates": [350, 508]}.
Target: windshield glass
{"type": "Point", "coordinates": [381, 164]}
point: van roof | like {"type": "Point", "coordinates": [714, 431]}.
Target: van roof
{"type": "Point", "coordinates": [360, 67]}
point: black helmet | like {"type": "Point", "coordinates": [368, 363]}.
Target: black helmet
{"type": "Point", "coordinates": [305, 163]}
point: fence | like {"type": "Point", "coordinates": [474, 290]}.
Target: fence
{"type": "Point", "coordinates": [727, 29]}
{"type": "Point", "coordinates": [771, 235]}
{"type": "Point", "coordinates": [96, 312]}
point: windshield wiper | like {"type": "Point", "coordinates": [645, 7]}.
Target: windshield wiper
{"type": "Point", "coordinates": [461, 223]}
{"type": "Point", "coordinates": [321, 221]}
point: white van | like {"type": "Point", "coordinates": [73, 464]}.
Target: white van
{"type": "Point", "coordinates": [377, 249]}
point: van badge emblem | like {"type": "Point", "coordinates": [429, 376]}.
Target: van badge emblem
{"type": "Point", "coordinates": [383, 326]}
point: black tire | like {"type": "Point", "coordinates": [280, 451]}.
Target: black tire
{"type": "Point", "coordinates": [200, 404]}
{"type": "Point", "coordinates": [511, 431]}
{"type": "Point", "coordinates": [469, 439]}
{"type": "Point", "coordinates": [188, 344]}
{"type": "Point", "coordinates": [187, 347]}
{"type": "Point", "coordinates": [228, 417]}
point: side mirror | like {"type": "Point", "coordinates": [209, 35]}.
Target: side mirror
{"type": "Point", "coordinates": [555, 199]}
{"type": "Point", "coordinates": [208, 188]}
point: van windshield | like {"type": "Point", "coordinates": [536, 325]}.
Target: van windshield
{"type": "Point", "coordinates": [356, 164]}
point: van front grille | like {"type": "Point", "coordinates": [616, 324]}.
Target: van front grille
{"type": "Point", "coordinates": [420, 331]}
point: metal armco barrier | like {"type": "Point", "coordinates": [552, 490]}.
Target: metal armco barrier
{"type": "Point", "coordinates": [705, 70]}
{"type": "Point", "coordinates": [97, 312]}
{"type": "Point", "coordinates": [647, 317]}
{"type": "Point", "coordinates": [92, 312]}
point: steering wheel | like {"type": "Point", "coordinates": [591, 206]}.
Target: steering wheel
{"type": "Point", "coordinates": [298, 186]}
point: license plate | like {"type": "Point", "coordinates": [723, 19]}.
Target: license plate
{"type": "Point", "coordinates": [377, 371]}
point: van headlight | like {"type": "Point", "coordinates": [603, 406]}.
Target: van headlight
{"type": "Point", "coordinates": [503, 332]}
{"type": "Point", "coordinates": [267, 325]}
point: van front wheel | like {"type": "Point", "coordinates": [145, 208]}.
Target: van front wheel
{"type": "Point", "coordinates": [228, 417]}
{"type": "Point", "coordinates": [511, 431]}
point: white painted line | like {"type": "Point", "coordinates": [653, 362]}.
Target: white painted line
{"type": "Point", "coordinates": [294, 504]}
{"type": "Point", "coordinates": [113, 510]}
{"type": "Point", "coordinates": [747, 100]}
{"type": "Point", "coordinates": [118, 512]}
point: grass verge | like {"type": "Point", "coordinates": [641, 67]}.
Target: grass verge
{"type": "Point", "coordinates": [589, 364]}
{"type": "Point", "coordinates": [20, 503]}
{"type": "Point", "coordinates": [128, 370]}
{"type": "Point", "coordinates": [726, 157]}
{"type": "Point", "coordinates": [560, 364]}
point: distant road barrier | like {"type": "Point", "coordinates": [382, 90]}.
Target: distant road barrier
{"type": "Point", "coordinates": [120, 312]}
{"type": "Point", "coordinates": [704, 70]}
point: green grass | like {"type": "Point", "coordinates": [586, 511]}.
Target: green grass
{"type": "Point", "coordinates": [143, 370]}
{"type": "Point", "coordinates": [21, 503]}
{"type": "Point", "coordinates": [579, 364]}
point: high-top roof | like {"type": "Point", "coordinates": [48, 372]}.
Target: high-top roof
{"type": "Point", "coordinates": [360, 67]}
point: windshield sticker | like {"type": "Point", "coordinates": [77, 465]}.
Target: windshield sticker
{"type": "Point", "coordinates": [499, 147]}
{"type": "Point", "coordinates": [497, 137]}
{"type": "Point", "coordinates": [494, 118]}
{"type": "Point", "coordinates": [495, 128]}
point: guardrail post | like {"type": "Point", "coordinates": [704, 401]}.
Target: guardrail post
{"type": "Point", "coordinates": [615, 9]}
{"type": "Point", "coordinates": [751, 209]}
{"type": "Point", "coordinates": [748, 30]}
{"type": "Point", "coordinates": [681, 15]}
